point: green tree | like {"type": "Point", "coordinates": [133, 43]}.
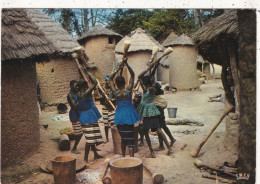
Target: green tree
{"type": "Point", "coordinates": [165, 21]}
{"type": "Point", "coordinates": [124, 21]}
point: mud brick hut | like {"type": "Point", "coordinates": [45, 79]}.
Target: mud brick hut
{"type": "Point", "coordinates": [230, 40]}
{"type": "Point", "coordinates": [183, 65]}
{"type": "Point", "coordinates": [140, 50]}
{"type": "Point", "coordinates": [23, 44]}
{"type": "Point", "coordinates": [54, 76]}
{"type": "Point", "coordinates": [163, 68]}
{"type": "Point", "coordinates": [99, 44]}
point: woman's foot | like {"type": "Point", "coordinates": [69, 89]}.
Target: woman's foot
{"type": "Point", "coordinates": [169, 151]}
{"type": "Point", "coordinates": [75, 151]}
{"type": "Point", "coordinates": [172, 142]}
{"type": "Point", "coordinates": [141, 144]}
{"type": "Point", "coordinates": [151, 155]}
{"type": "Point", "coordinates": [160, 148]}
{"type": "Point", "coordinates": [97, 156]}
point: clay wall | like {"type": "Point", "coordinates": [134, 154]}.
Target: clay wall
{"type": "Point", "coordinates": [102, 53]}
{"type": "Point", "coordinates": [183, 72]}
{"type": "Point", "coordinates": [54, 80]}
{"type": "Point", "coordinates": [20, 133]}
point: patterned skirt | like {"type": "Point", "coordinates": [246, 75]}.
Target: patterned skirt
{"type": "Point", "coordinates": [77, 128]}
{"type": "Point", "coordinates": [108, 117]}
{"type": "Point", "coordinates": [92, 133]}
{"type": "Point", "coordinates": [127, 134]}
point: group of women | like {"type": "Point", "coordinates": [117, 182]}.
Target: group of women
{"type": "Point", "coordinates": [126, 116]}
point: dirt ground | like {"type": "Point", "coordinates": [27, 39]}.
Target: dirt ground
{"type": "Point", "coordinates": [177, 168]}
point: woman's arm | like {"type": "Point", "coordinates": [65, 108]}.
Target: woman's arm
{"type": "Point", "coordinates": [153, 72]}
{"type": "Point", "coordinates": [132, 78]}
{"type": "Point", "coordinates": [72, 102]}
{"type": "Point", "coordinates": [111, 79]}
{"type": "Point", "coordinates": [93, 85]}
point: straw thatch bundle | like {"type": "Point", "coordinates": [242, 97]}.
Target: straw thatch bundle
{"type": "Point", "coordinates": [98, 31]}
{"type": "Point", "coordinates": [213, 37]}
{"type": "Point", "coordinates": [21, 39]}
{"type": "Point", "coordinates": [60, 38]}
{"type": "Point", "coordinates": [140, 41]}
{"type": "Point", "coordinates": [169, 39]}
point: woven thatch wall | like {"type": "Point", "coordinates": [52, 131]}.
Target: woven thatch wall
{"type": "Point", "coordinates": [183, 71]}
{"type": "Point", "coordinates": [20, 133]}
{"type": "Point", "coordinates": [54, 78]}
{"type": "Point", "coordinates": [101, 53]}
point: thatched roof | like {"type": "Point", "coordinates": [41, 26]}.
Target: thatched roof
{"type": "Point", "coordinates": [140, 41]}
{"type": "Point", "coordinates": [223, 24]}
{"type": "Point", "coordinates": [120, 45]}
{"type": "Point", "coordinates": [169, 39]}
{"type": "Point", "coordinates": [21, 39]}
{"type": "Point", "coordinates": [213, 38]}
{"type": "Point", "coordinates": [60, 38]}
{"type": "Point", "coordinates": [98, 31]}
{"type": "Point", "coordinates": [182, 40]}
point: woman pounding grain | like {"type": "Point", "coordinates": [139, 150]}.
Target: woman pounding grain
{"type": "Point", "coordinates": [126, 115]}
{"type": "Point", "coordinates": [148, 111]}
{"type": "Point", "coordinates": [89, 115]}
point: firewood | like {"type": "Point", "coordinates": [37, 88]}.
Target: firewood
{"type": "Point", "coordinates": [64, 142]}
{"type": "Point", "coordinates": [178, 121]}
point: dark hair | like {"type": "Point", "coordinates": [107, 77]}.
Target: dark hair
{"type": "Point", "coordinates": [73, 82]}
{"type": "Point", "coordinates": [120, 81]}
{"type": "Point", "coordinates": [147, 80]}
{"type": "Point", "coordinates": [158, 89]}
{"type": "Point", "coordinates": [82, 84]}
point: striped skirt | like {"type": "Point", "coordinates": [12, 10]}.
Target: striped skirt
{"type": "Point", "coordinates": [127, 134]}
{"type": "Point", "coordinates": [92, 133]}
{"type": "Point", "coordinates": [77, 128]}
{"type": "Point", "coordinates": [108, 117]}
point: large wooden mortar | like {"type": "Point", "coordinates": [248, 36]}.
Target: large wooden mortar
{"type": "Point", "coordinates": [64, 170]}
{"type": "Point", "coordinates": [127, 170]}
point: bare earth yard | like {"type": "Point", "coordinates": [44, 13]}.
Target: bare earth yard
{"type": "Point", "coordinates": [177, 168]}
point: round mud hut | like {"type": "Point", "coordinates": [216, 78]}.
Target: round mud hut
{"type": "Point", "coordinates": [163, 68]}
{"type": "Point", "coordinates": [54, 76]}
{"type": "Point", "coordinates": [183, 65]}
{"type": "Point", "coordinates": [99, 44]}
{"type": "Point", "coordinates": [23, 44]}
{"type": "Point", "coordinates": [140, 50]}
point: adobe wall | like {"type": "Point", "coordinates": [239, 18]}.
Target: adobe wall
{"type": "Point", "coordinates": [163, 74]}
{"type": "Point", "coordinates": [20, 132]}
{"type": "Point", "coordinates": [183, 72]}
{"type": "Point", "coordinates": [54, 79]}
{"type": "Point", "coordinates": [137, 61]}
{"type": "Point", "coordinates": [101, 53]}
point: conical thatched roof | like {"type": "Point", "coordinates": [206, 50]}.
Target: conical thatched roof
{"type": "Point", "coordinates": [120, 45]}
{"type": "Point", "coordinates": [21, 39]}
{"type": "Point", "coordinates": [98, 31]}
{"type": "Point", "coordinates": [182, 40]}
{"type": "Point", "coordinates": [169, 39]}
{"type": "Point", "coordinates": [60, 38]}
{"type": "Point", "coordinates": [223, 24]}
{"type": "Point", "coordinates": [140, 41]}
{"type": "Point", "coordinates": [213, 38]}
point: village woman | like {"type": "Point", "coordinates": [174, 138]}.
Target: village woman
{"type": "Point", "coordinates": [148, 111]}
{"type": "Point", "coordinates": [89, 115]}
{"type": "Point", "coordinates": [126, 115]}
{"type": "Point", "coordinates": [161, 104]}
{"type": "Point", "coordinates": [74, 114]}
